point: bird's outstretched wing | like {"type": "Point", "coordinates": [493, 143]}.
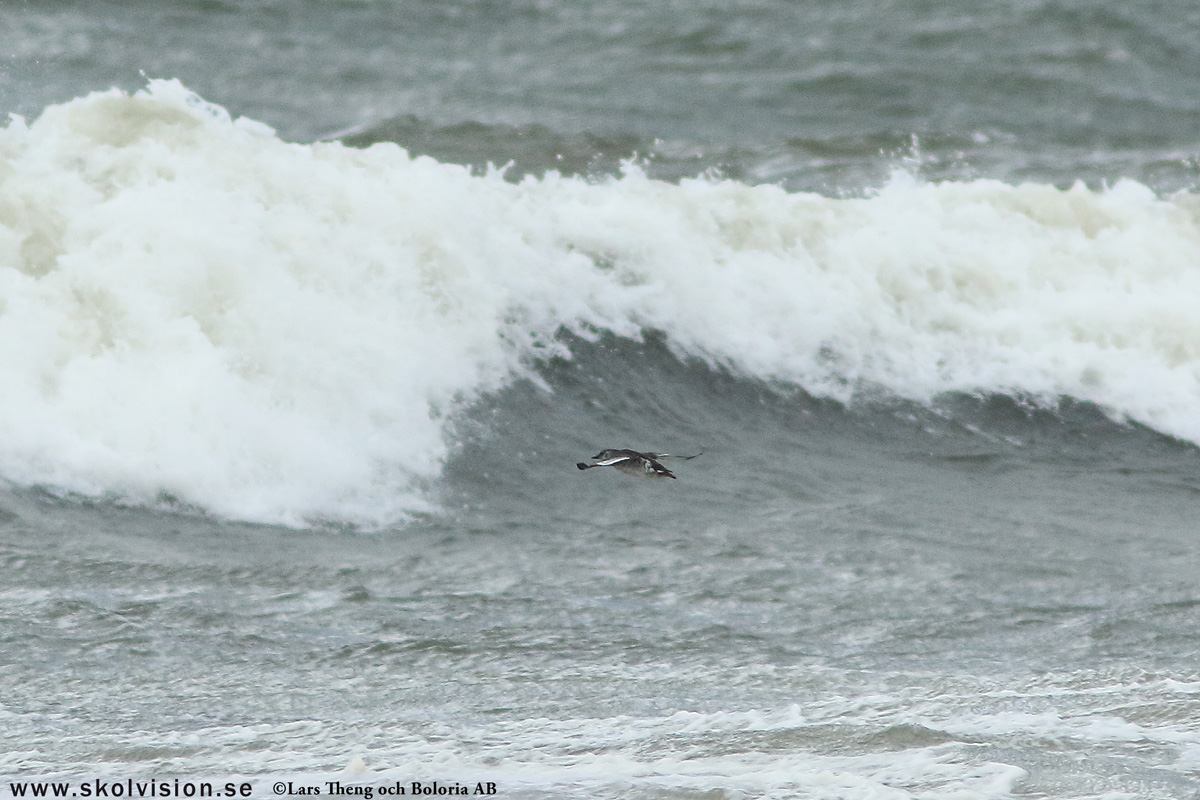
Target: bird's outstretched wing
{"type": "Point", "coordinates": [608, 462]}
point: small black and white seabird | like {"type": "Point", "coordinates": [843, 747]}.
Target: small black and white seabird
{"type": "Point", "coordinates": [631, 462]}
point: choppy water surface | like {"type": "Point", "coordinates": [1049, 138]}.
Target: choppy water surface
{"type": "Point", "coordinates": [289, 414]}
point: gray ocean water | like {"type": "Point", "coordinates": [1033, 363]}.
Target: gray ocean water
{"type": "Point", "coordinates": [872, 584]}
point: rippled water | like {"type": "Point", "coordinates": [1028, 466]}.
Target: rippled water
{"type": "Point", "coordinates": [288, 428]}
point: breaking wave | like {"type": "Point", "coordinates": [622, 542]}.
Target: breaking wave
{"type": "Point", "coordinates": [194, 309]}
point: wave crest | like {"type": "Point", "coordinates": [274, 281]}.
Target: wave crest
{"type": "Point", "coordinates": [279, 332]}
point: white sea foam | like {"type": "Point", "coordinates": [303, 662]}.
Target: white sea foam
{"type": "Point", "coordinates": [277, 332]}
{"type": "Point", "coordinates": [593, 757]}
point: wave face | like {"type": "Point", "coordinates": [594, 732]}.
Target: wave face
{"type": "Point", "coordinates": [195, 312]}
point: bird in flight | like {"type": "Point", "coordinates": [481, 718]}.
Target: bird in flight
{"type": "Point", "coordinates": [631, 462]}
